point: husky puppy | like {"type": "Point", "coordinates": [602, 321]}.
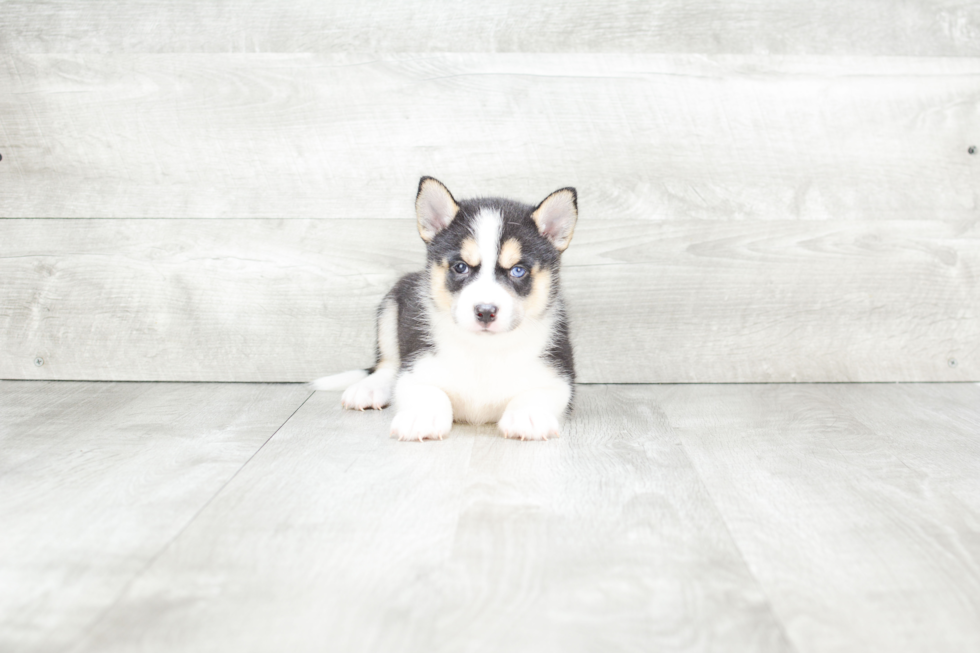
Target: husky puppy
{"type": "Point", "coordinates": [480, 335]}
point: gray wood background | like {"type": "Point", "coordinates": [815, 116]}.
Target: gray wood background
{"type": "Point", "coordinates": [770, 191]}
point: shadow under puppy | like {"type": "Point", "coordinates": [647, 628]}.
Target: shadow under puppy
{"type": "Point", "coordinates": [480, 335]}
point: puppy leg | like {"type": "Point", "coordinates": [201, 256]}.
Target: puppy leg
{"type": "Point", "coordinates": [534, 415]}
{"type": "Point", "coordinates": [424, 412]}
{"type": "Point", "coordinates": [372, 392]}
{"type": "Point", "coordinates": [375, 391]}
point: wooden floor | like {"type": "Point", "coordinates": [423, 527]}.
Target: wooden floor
{"type": "Point", "coordinates": [248, 517]}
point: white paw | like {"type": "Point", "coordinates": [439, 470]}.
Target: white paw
{"type": "Point", "coordinates": [528, 424]}
{"type": "Point", "coordinates": [372, 392]}
{"type": "Point", "coordinates": [421, 424]}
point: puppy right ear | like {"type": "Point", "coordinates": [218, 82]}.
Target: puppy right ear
{"type": "Point", "coordinates": [435, 208]}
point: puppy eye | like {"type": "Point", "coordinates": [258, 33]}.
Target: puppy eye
{"type": "Point", "coordinates": [518, 271]}
{"type": "Point", "coordinates": [461, 268]}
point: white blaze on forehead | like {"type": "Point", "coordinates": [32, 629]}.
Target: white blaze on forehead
{"type": "Point", "coordinates": [486, 228]}
{"type": "Point", "coordinates": [484, 289]}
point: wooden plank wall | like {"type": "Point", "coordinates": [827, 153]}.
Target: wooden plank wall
{"type": "Point", "coordinates": [222, 191]}
{"type": "Point", "coordinates": [874, 27]}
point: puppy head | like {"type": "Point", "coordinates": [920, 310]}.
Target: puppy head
{"type": "Point", "coordinates": [493, 262]}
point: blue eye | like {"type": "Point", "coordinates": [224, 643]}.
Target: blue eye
{"type": "Point", "coordinates": [461, 268]}
{"type": "Point", "coordinates": [518, 271]}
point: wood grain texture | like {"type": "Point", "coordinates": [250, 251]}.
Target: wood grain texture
{"type": "Point", "coordinates": [876, 27]}
{"type": "Point", "coordinates": [674, 301]}
{"type": "Point", "coordinates": [96, 479]}
{"type": "Point", "coordinates": [856, 507]}
{"type": "Point", "coordinates": [334, 536]}
{"type": "Point", "coordinates": [651, 137]}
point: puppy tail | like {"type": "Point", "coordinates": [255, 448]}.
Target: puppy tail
{"type": "Point", "coordinates": [338, 381]}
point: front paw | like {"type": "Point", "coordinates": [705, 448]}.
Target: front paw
{"type": "Point", "coordinates": [528, 424]}
{"type": "Point", "coordinates": [372, 392]}
{"type": "Point", "coordinates": [421, 425]}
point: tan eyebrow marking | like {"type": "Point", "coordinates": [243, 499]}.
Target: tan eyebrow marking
{"type": "Point", "coordinates": [470, 253]}
{"type": "Point", "coordinates": [510, 254]}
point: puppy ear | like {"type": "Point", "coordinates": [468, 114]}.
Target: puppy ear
{"type": "Point", "coordinates": [556, 217]}
{"type": "Point", "coordinates": [435, 208]}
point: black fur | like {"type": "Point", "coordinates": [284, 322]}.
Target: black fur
{"type": "Point", "coordinates": [413, 327]}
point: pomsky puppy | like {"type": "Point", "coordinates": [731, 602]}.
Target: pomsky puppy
{"type": "Point", "coordinates": [480, 335]}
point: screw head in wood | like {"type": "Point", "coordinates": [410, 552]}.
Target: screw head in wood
{"type": "Point", "coordinates": [38, 361]}
{"type": "Point", "coordinates": [952, 362]}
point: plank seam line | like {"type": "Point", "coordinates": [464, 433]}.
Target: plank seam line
{"type": "Point", "coordinates": [741, 554]}
{"type": "Point", "coordinates": [109, 608]}
{"type": "Point", "coordinates": [582, 383]}
{"type": "Point", "coordinates": [794, 383]}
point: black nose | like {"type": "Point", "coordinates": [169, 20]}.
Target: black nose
{"type": "Point", "coordinates": [485, 313]}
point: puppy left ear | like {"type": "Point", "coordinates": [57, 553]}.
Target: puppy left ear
{"type": "Point", "coordinates": [435, 208]}
{"type": "Point", "coordinates": [556, 217]}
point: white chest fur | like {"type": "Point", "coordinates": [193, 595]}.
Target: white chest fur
{"type": "Point", "coordinates": [482, 373]}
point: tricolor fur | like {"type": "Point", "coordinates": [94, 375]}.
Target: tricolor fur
{"type": "Point", "coordinates": [480, 335]}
